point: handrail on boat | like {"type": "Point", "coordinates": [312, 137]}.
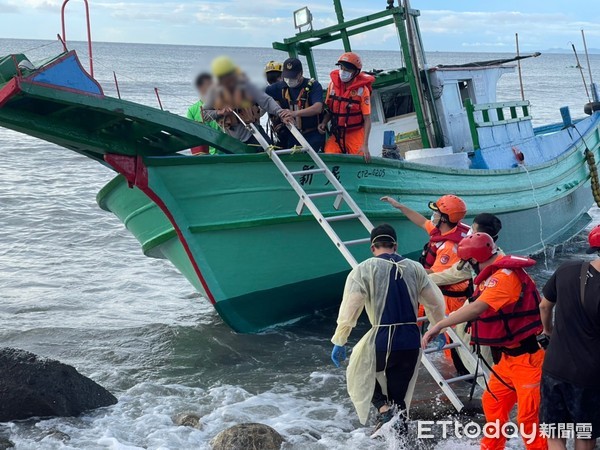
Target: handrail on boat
{"type": "Point", "coordinates": [89, 31]}
{"type": "Point", "coordinates": [497, 109]}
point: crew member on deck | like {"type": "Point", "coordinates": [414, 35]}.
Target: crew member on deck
{"type": "Point", "coordinates": [348, 108]}
{"type": "Point", "coordinates": [273, 71]}
{"type": "Point", "coordinates": [304, 98]}
{"type": "Point", "coordinates": [203, 84]}
{"type": "Point", "coordinates": [234, 93]}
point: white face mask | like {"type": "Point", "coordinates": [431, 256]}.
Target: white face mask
{"type": "Point", "coordinates": [435, 218]}
{"type": "Point", "coordinates": [345, 76]}
{"type": "Point", "coordinates": [470, 232]}
{"type": "Point", "coordinates": [291, 82]}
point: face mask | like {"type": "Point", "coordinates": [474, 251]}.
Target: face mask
{"type": "Point", "coordinates": [470, 232]}
{"type": "Point", "coordinates": [475, 267]}
{"type": "Point", "coordinates": [345, 76]}
{"type": "Point", "coordinates": [435, 218]}
{"type": "Point", "coordinates": [291, 82]}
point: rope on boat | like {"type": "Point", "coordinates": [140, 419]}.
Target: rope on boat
{"type": "Point", "coordinates": [591, 160]}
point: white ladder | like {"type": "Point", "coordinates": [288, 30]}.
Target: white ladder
{"type": "Point", "coordinates": [341, 194]}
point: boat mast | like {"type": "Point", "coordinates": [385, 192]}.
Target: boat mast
{"type": "Point", "coordinates": [411, 59]}
{"type": "Point", "coordinates": [339, 12]}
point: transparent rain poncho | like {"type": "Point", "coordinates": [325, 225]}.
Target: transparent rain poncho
{"type": "Point", "coordinates": [367, 288]}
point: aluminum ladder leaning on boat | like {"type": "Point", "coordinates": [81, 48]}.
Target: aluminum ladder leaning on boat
{"type": "Point", "coordinates": [341, 195]}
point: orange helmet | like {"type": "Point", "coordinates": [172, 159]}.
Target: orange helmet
{"type": "Point", "coordinates": [350, 58]}
{"type": "Point", "coordinates": [452, 206]}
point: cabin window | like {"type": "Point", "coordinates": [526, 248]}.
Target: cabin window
{"type": "Point", "coordinates": [465, 87]}
{"type": "Point", "coordinates": [397, 102]}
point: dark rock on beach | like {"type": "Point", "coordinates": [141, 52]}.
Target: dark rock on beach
{"type": "Point", "coordinates": [56, 434]}
{"type": "Point", "coordinates": [5, 443]}
{"type": "Point", "coordinates": [187, 420]}
{"type": "Point", "coordinates": [31, 386]}
{"type": "Point", "coordinates": [248, 436]}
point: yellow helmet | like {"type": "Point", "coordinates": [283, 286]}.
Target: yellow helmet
{"type": "Point", "coordinates": [223, 65]}
{"type": "Point", "coordinates": [274, 66]}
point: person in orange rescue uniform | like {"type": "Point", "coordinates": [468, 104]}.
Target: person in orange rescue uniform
{"type": "Point", "coordinates": [445, 231]}
{"type": "Point", "coordinates": [504, 314]}
{"type": "Point", "coordinates": [348, 102]}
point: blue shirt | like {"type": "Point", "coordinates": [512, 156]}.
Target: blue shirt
{"type": "Point", "coordinates": [398, 309]}
{"type": "Point", "coordinates": [315, 95]}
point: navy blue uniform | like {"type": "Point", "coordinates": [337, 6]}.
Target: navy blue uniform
{"type": "Point", "coordinates": [309, 124]}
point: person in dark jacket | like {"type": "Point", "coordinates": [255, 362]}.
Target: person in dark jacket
{"type": "Point", "coordinates": [571, 371]}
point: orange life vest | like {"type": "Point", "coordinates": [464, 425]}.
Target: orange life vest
{"type": "Point", "coordinates": [429, 255]}
{"type": "Point", "coordinates": [512, 324]}
{"type": "Point", "coordinates": [344, 100]}
{"type": "Point", "coordinates": [436, 237]}
{"type": "Point", "coordinates": [240, 102]}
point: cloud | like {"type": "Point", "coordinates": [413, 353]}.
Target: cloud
{"type": "Point", "coordinates": [534, 28]}
{"type": "Point", "coordinates": [258, 23]}
{"type": "Point", "coordinates": [44, 5]}
{"type": "Point", "coordinates": [8, 8]}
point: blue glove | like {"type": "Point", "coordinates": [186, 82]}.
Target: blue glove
{"type": "Point", "coordinates": [440, 341]}
{"type": "Point", "coordinates": [338, 354]}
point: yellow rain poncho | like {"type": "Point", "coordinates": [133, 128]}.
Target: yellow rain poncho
{"type": "Point", "coordinates": [452, 276]}
{"type": "Point", "coordinates": [367, 288]}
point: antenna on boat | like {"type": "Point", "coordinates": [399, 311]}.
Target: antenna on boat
{"type": "Point", "coordinates": [519, 67]}
{"type": "Point", "coordinates": [581, 72]}
{"type": "Point", "coordinates": [117, 84]}
{"type": "Point", "coordinates": [158, 98]}
{"type": "Point", "coordinates": [89, 32]}
{"type": "Point", "coordinates": [587, 57]}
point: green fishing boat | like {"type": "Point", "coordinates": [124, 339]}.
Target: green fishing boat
{"type": "Point", "coordinates": [228, 222]}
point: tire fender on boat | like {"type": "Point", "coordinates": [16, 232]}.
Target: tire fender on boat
{"type": "Point", "coordinates": [591, 108]}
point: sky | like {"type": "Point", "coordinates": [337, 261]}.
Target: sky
{"type": "Point", "coordinates": [458, 25]}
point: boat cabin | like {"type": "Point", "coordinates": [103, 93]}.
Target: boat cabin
{"type": "Point", "coordinates": [438, 115]}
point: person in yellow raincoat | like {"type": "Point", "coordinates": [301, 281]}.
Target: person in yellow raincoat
{"type": "Point", "coordinates": [383, 365]}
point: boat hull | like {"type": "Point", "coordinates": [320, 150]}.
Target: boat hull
{"type": "Point", "coordinates": [229, 223]}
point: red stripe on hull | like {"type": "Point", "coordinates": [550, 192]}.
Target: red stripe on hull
{"type": "Point", "coordinates": [9, 90]}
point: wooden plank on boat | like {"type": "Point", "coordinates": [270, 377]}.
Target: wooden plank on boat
{"type": "Point", "coordinates": [503, 122]}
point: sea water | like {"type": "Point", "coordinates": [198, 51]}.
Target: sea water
{"type": "Point", "coordinates": [76, 287]}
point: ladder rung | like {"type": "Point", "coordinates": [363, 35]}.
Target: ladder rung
{"type": "Point", "coordinates": [462, 378]}
{"type": "Point", "coordinates": [342, 217]}
{"type": "Point", "coordinates": [357, 242]}
{"type": "Point", "coordinates": [445, 347]}
{"type": "Point", "coordinates": [287, 151]}
{"type": "Point", "coordinates": [308, 172]}
{"type": "Point", "coordinates": [324, 194]}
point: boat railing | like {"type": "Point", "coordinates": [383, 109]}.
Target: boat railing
{"type": "Point", "coordinates": [63, 37]}
{"type": "Point", "coordinates": [493, 123]}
